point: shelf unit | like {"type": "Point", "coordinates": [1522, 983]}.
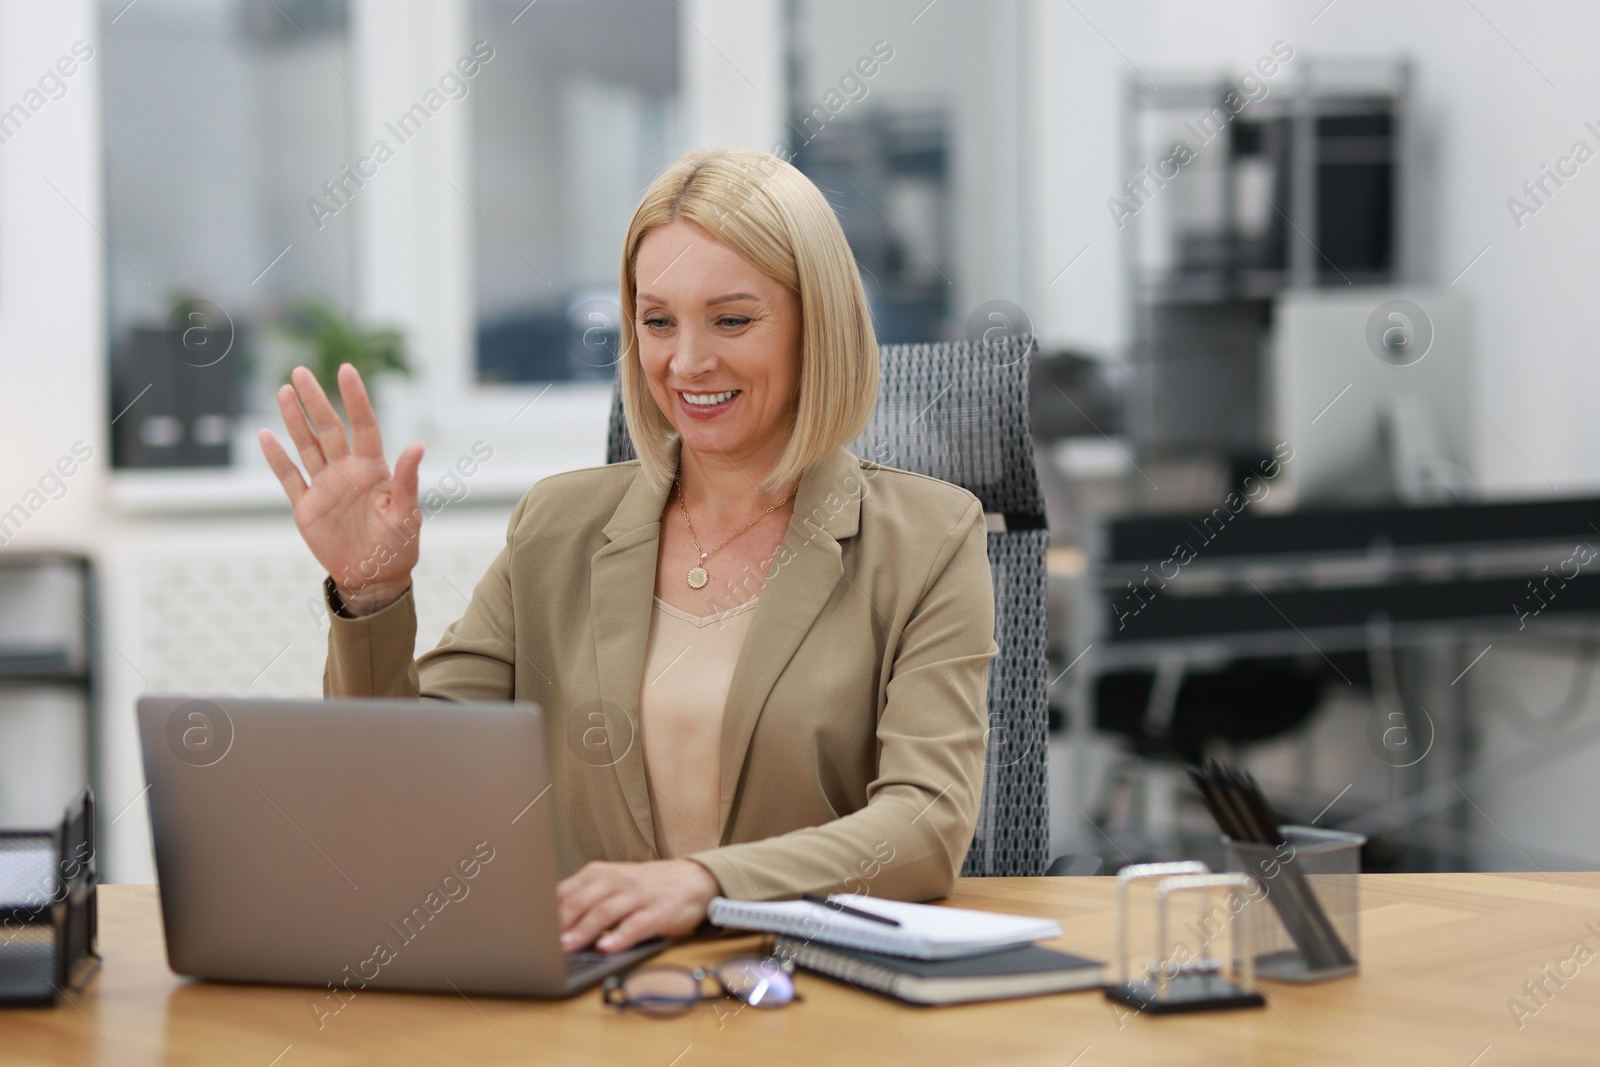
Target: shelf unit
{"type": "Point", "coordinates": [1299, 188]}
{"type": "Point", "coordinates": [49, 684]}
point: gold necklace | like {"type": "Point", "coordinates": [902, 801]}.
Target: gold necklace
{"type": "Point", "coordinates": [698, 576]}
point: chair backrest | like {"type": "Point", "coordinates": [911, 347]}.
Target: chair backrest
{"type": "Point", "coordinates": [958, 411]}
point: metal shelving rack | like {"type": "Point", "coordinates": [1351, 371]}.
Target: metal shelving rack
{"type": "Point", "coordinates": [1300, 188]}
{"type": "Point", "coordinates": [47, 599]}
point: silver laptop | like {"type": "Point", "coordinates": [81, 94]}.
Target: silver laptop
{"type": "Point", "coordinates": [383, 844]}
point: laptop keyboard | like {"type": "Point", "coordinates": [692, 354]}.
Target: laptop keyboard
{"type": "Point", "coordinates": [590, 965]}
{"type": "Point", "coordinates": [580, 965]}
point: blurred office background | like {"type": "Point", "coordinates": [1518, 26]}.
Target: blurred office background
{"type": "Point", "coordinates": [193, 196]}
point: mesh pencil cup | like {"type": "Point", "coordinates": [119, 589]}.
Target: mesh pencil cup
{"type": "Point", "coordinates": [1310, 931]}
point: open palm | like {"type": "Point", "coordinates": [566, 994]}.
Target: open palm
{"type": "Point", "coordinates": [360, 520]}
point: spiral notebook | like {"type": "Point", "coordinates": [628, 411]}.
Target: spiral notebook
{"type": "Point", "coordinates": [926, 932]}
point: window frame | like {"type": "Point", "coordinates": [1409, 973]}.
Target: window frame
{"type": "Point", "coordinates": [554, 423]}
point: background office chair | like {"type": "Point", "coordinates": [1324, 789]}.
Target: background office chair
{"type": "Point", "coordinates": [958, 411]}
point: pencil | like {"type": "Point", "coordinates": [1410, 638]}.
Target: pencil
{"type": "Point", "coordinates": [1241, 811]}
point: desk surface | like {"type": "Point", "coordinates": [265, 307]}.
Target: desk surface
{"type": "Point", "coordinates": [1443, 956]}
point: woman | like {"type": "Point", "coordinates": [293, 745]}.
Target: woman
{"type": "Point", "coordinates": [762, 661]}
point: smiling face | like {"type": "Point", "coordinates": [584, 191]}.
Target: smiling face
{"type": "Point", "coordinates": [719, 344]}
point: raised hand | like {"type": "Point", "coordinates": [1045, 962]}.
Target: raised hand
{"type": "Point", "coordinates": [360, 521]}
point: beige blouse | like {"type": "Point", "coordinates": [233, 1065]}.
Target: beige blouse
{"type": "Point", "coordinates": [689, 662]}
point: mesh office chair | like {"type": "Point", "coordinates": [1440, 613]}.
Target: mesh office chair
{"type": "Point", "coordinates": [958, 411]}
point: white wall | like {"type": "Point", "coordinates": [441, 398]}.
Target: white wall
{"type": "Point", "coordinates": [52, 296]}
{"type": "Point", "coordinates": [731, 53]}
{"type": "Point", "coordinates": [1075, 291]}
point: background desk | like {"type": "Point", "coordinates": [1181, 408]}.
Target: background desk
{"type": "Point", "coordinates": [1441, 956]}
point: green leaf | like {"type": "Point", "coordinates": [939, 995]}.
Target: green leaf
{"type": "Point", "coordinates": [331, 339]}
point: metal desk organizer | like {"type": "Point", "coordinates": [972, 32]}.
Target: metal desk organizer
{"type": "Point", "coordinates": [1197, 982]}
{"type": "Point", "coordinates": [48, 908]}
{"type": "Point", "coordinates": [1317, 939]}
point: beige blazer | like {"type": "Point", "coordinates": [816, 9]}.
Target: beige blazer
{"type": "Point", "coordinates": [853, 735]}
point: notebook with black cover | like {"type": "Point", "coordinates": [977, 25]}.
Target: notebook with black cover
{"type": "Point", "coordinates": [1027, 971]}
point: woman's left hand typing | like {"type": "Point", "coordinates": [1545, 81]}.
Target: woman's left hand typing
{"type": "Point", "coordinates": [625, 903]}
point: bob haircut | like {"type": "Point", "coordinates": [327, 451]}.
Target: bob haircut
{"type": "Point", "coordinates": [771, 215]}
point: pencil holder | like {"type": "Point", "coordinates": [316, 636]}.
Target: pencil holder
{"type": "Point", "coordinates": [1310, 932]}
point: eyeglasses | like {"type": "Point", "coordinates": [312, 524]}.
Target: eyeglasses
{"type": "Point", "coordinates": [665, 989]}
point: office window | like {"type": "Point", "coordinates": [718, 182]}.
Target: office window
{"type": "Point", "coordinates": [887, 174]}
{"type": "Point", "coordinates": [572, 118]}
{"type": "Point", "coordinates": [924, 168]}
{"type": "Point", "coordinates": [223, 118]}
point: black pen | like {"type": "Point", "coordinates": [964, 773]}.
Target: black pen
{"type": "Point", "coordinates": [848, 910]}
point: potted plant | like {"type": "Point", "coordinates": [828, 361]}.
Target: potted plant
{"type": "Point", "coordinates": [378, 353]}
{"type": "Point", "coordinates": [333, 339]}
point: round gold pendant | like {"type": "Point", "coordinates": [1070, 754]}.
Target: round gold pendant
{"type": "Point", "coordinates": [698, 578]}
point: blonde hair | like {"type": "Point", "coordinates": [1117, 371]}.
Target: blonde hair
{"type": "Point", "coordinates": [775, 218]}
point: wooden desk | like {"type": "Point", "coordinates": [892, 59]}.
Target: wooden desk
{"type": "Point", "coordinates": [1442, 955]}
